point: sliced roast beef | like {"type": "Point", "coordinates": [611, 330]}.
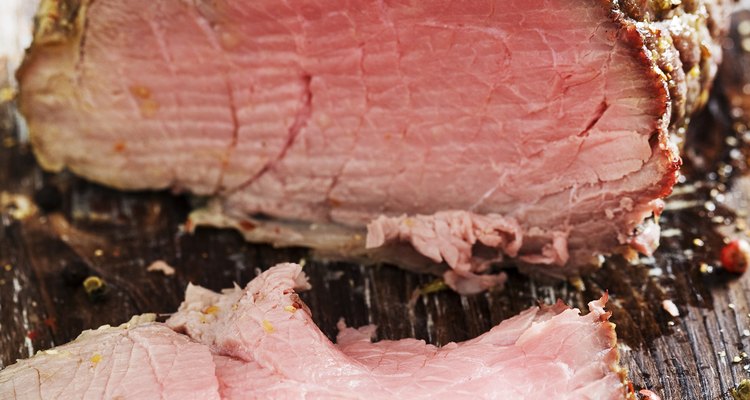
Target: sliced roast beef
{"type": "Point", "coordinates": [469, 131]}
{"type": "Point", "coordinates": [137, 360]}
{"type": "Point", "coordinates": [261, 343]}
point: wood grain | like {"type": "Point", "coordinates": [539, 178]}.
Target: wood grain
{"type": "Point", "coordinates": [116, 235]}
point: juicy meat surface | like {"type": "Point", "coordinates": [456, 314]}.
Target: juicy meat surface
{"type": "Point", "coordinates": [261, 342]}
{"type": "Point", "coordinates": [137, 360]}
{"type": "Point", "coordinates": [552, 116]}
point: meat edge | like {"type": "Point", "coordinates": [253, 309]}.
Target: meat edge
{"type": "Point", "coordinates": [59, 27]}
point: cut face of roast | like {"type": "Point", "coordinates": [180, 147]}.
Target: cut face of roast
{"type": "Point", "coordinates": [551, 117]}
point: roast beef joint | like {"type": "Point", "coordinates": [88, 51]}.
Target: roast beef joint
{"type": "Point", "coordinates": [450, 133]}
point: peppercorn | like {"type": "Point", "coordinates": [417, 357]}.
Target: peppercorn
{"type": "Point", "coordinates": [742, 391]}
{"type": "Point", "coordinates": [735, 256]}
{"type": "Point", "coordinates": [95, 287]}
{"type": "Point", "coordinates": [74, 273]}
{"type": "Point", "coordinates": [48, 198]}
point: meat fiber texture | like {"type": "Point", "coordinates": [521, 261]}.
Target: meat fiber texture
{"type": "Point", "coordinates": [261, 343]}
{"type": "Point", "coordinates": [469, 132]}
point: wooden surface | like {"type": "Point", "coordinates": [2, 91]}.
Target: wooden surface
{"type": "Point", "coordinates": [116, 235]}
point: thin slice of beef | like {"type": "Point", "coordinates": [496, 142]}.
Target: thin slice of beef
{"type": "Point", "coordinates": [136, 360]}
{"type": "Point", "coordinates": [262, 343]}
{"type": "Point", "coordinates": [547, 352]}
{"type": "Point", "coordinates": [469, 131]}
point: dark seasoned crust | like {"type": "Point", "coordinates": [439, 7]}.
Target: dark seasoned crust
{"type": "Point", "coordinates": [682, 38]}
{"type": "Point", "coordinates": [57, 21]}
{"type": "Point", "coordinates": [59, 34]}
{"type": "Point", "coordinates": [681, 44]}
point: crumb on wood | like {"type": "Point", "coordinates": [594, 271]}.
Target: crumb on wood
{"type": "Point", "coordinates": [670, 308]}
{"type": "Point", "coordinates": [161, 266]}
{"type": "Point", "coordinates": [18, 206]}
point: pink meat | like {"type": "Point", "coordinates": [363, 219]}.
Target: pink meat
{"type": "Point", "coordinates": [552, 116]}
{"type": "Point", "coordinates": [138, 360]}
{"type": "Point", "coordinates": [260, 342]}
{"type": "Point", "coordinates": [265, 331]}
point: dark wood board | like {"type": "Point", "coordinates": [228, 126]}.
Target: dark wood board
{"type": "Point", "coordinates": [116, 235]}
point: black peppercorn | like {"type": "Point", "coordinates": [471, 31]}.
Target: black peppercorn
{"type": "Point", "coordinates": [75, 272]}
{"type": "Point", "coordinates": [95, 288]}
{"type": "Point", "coordinates": [48, 198]}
